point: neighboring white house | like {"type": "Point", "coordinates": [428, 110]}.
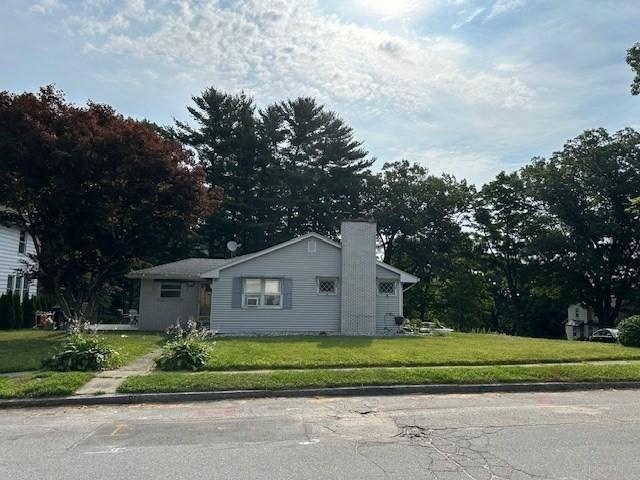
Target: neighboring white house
{"type": "Point", "coordinates": [15, 246]}
{"type": "Point", "coordinates": [309, 284]}
{"type": "Point", "coordinates": [581, 322]}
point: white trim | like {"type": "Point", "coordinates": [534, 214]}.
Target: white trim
{"type": "Point", "coordinates": [215, 273]}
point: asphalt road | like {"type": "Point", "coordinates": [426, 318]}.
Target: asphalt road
{"type": "Point", "coordinates": [578, 435]}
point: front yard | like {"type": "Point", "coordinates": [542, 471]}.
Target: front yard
{"type": "Point", "coordinates": [23, 351]}
{"type": "Point", "coordinates": [324, 361]}
{"type": "Point", "coordinates": [454, 349]}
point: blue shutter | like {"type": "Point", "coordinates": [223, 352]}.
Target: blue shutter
{"type": "Point", "coordinates": [236, 292]}
{"type": "Point", "coordinates": [287, 292]}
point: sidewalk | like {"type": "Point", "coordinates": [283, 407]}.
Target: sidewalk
{"type": "Point", "coordinates": [108, 381]}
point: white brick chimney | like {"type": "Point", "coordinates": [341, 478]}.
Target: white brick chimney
{"type": "Point", "coordinates": [358, 279]}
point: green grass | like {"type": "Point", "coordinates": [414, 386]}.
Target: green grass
{"type": "Point", "coordinates": [454, 349]}
{"type": "Point", "coordinates": [42, 384]}
{"type": "Point", "coordinates": [22, 350]}
{"type": "Point", "coordinates": [282, 379]}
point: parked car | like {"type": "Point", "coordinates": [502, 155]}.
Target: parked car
{"type": "Point", "coordinates": [608, 335]}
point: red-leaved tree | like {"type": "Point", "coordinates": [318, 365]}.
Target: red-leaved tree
{"type": "Point", "coordinates": [97, 191]}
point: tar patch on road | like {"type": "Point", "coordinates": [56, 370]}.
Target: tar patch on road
{"type": "Point", "coordinates": [177, 433]}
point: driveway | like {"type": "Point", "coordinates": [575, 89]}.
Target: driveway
{"type": "Point", "coordinates": [576, 435]}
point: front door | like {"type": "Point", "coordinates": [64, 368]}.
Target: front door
{"type": "Point", "coordinates": [204, 317]}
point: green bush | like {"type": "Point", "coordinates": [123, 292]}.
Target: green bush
{"type": "Point", "coordinates": [17, 311]}
{"type": "Point", "coordinates": [7, 312]}
{"type": "Point", "coordinates": [28, 313]}
{"type": "Point", "coordinates": [83, 352]}
{"type": "Point", "coordinates": [184, 353]}
{"type": "Point", "coordinates": [630, 331]}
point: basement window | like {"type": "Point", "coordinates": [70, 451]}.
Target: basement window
{"type": "Point", "coordinates": [386, 287]}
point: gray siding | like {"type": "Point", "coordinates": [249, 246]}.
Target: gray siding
{"type": "Point", "coordinates": [158, 313]}
{"type": "Point", "coordinates": [11, 262]}
{"type": "Point", "coordinates": [388, 307]}
{"type": "Point", "coordinates": [309, 311]}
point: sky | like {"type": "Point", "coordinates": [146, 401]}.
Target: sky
{"type": "Point", "coordinates": [466, 87]}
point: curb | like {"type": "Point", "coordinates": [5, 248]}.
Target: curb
{"type": "Point", "coordinates": [436, 389]}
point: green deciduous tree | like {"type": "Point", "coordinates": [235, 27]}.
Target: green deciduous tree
{"type": "Point", "coordinates": [587, 188]}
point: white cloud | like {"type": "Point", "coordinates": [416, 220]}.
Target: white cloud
{"type": "Point", "coordinates": [468, 18]}
{"type": "Point", "coordinates": [288, 46]}
{"type": "Point", "coordinates": [45, 6]}
{"type": "Point", "coordinates": [501, 7]}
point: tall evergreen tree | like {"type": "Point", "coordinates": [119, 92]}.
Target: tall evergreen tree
{"type": "Point", "coordinates": [290, 168]}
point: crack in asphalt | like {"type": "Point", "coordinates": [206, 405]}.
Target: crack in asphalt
{"type": "Point", "coordinates": [464, 451]}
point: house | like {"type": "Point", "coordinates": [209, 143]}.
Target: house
{"type": "Point", "coordinates": [309, 284]}
{"type": "Point", "coordinates": [15, 247]}
{"type": "Point", "coordinates": [581, 322]}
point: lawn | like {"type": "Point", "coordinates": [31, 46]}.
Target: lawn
{"type": "Point", "coordinates": [454, 349]}
{"type": "Point", "coordinates": [22, 350]}
{"type": "Point", "coordinates": [43, 384]}
{"type": "Point", "coordinates": [295, 379]}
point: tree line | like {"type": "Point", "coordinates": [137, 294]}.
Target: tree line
{"type": "Point", "coordinates": [103, 194]}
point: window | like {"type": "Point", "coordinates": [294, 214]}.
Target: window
{"type": "Point", "coordinates": [262, 293]}
{"type": "Point", "coordinates": [22, 244]}
{"type": "Point", "coordinates": [312, 246]}
{"type": "Point", "coordinates": [327, 286]}
{"type": "Point", "coordinates": [10, 280]}
{"type": "Point", "coordinates": [25, 289]}
{"type": "Point", "coordinates": [386, 287]}
{"type": "Point", "coordinates": [170, 290]}
{"type": "Point", "coordinates": [18, 288]}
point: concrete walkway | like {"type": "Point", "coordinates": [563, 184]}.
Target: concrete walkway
{"type": "Point", "coordinates": [108, 381]}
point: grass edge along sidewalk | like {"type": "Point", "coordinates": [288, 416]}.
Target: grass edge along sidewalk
{"type": "Point", "coordinates": [319, 378]}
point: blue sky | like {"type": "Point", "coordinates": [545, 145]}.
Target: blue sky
{"type": "Point", "coordinates": [467, 87]}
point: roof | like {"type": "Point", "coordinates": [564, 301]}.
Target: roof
{"type": "Point", "coordinates": [214, 272]}
{"type": "Point", "coordinates": [198, 268]}
{"type": "Point", "coordinates": [187, 269]}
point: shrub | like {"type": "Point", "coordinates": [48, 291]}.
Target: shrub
{"type": "Point", "coordinates": [7, 312]}
{"type": "Point", "coordinates": [82, 352]}
{"type": "Point", "coordinates": [17, 311]}
{"type": "Point", "coordinates": [630, 331]}
{"type": "Point", "coordinates": [28, 313]}
{"type": "Point", "coordinates": [186, 349]}
{"type": "Point", "coordinates": [184, 354]}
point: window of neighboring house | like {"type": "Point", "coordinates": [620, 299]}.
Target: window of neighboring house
{"type": "Point", "coordinates": [327, 286]}
{"type": "Point", "coordinates": [18, 288]}
{"type": "Point", "coordinates": [10, 282]}
{"type": "Point", "coordinates": [262, 293]}
{"type": "Point", "coordinates": [22, 244]}
{"type": "Point", "coordinates": [25, 289]}
{"type": "Point", "coordinates": [386, 287]}
{"type": "Point", "coordinates": [170, 290]}
{"type": "Point", "coordinates": [312, 245]}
